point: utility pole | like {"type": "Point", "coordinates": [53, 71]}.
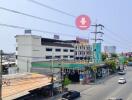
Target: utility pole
{"type": "Point", "coordinates": [52, 74]}
{"type": "Point", "coordinates": [96, 32]}
{"type": "Point", "coordinates": [96, 38]}
{"type": "Point", "coordinates": [1, 74]}
{"type": "Point", "coordinates": [62, 75]}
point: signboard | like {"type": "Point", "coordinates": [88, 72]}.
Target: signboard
{"type": "Point", "coordinates": [83, 22]}
{"type": "Point", "coordinates": [97, 57]}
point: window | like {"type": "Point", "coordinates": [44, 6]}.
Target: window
{"type": "Point", "coordinates": [75, 53]}
{"type": "Point", "coordinates": [16, 57]}
{"type": "Point", "coordinates": [57, 50]}
{"type": "Point", "coordinates": [65, 50]}
{"type": "Point", "coordinates": [71, 50]}
{"type": "Point", "coordinates": [71, 56]}
{"type": "Point", "coordinates": [16, 48]}
{"type": "Point", "coordinates": [88, 48]}
{"type": "Point", "coordinates": [57, 57]}
{"type": "Point", "coordinates": [48, 57]}
{"type": "Point", "coordinates": [65, 56]}
{"type": "Point", "coordinates": [48, 49]}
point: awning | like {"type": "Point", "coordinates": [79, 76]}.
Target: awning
{"type": "Point", "coordinates": [58, 65]}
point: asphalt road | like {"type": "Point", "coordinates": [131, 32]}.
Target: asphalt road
{"type": "Point", "coordinates": [110, 88]}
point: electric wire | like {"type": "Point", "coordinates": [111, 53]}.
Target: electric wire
{"type": "Point", "coordinates": [36, 17]}
{"type": "Point", "coordinates": [51, 8]}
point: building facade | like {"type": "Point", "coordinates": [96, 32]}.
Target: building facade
{"type": "Point", "coordinates": [32, 48]}
{"type": "Point", "coordinates": [82, 49]}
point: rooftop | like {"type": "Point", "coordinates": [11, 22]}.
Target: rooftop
{"type": "Point", "coordinates": [19, 84]}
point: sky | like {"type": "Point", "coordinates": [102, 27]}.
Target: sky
{"type": "Point", "coordinates": [115, 15]}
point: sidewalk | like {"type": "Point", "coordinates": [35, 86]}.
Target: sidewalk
{"type": "Point", "coordinates": [104, 79]}
{"type": "Point", "coordinates": [79, 87]}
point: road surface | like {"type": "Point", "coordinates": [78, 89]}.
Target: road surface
{"type": "Point", "coordinates": [110, 88]}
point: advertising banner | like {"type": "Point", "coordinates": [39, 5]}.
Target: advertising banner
{"type": "Point", "coordinates": [97, 57]}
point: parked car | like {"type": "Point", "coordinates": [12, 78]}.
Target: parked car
{"type": "Point", "coordinates": [71, 95]}
{"type": "Point", "coordinates": [122, 80]}
{"type": "Point", "coordinates": [121, 72]}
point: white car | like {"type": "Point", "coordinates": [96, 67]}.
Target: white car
{"type": "Point", "coordinates": [122, 80]}
{"type": "Point", "coordinates": [122, 72]}
{"type": "Point", "coordinates": [115, 99]}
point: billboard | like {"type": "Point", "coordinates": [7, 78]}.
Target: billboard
{"type": "Point", "coordinates": [97, 57]}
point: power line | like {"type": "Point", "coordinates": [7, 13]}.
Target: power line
{"type": "Point", "coordinates": [119, 45]}
{"type": "Point", "coordinates": [49, 7]}
{"type": "Point", "coordinates": [114, 33]}
{"type": "Point", "coordinates": [114, 39]}
{"type": "Point", "coordinates": [95, 59]}
{"type": "Point", "coordinates": [117, 40]}
{"type": "Point", "coordinates": [108, 42]}
{"type": "Point", "coordinates": [97, 32]}
{"type": "Point", "coordinates": [35, 30]}
{"type": "Point", "coordinates": [36, 17]}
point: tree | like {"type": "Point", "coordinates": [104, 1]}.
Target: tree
{"type": "Point", "coordinates": [104, 56]}
{"type": "Point", "coordinates": [114, 55]}
{"type": "Point", "coordinates": [112, 65]}
{"type": "Point", "coordinates": [66, 81]}
{"type": "Point", "coordinates": [129, 59]}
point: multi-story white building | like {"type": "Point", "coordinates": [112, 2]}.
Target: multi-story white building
{"type": "Point", "coordinates": [32, 48]}
{"type": "Point", "coordinates": [83, 50]}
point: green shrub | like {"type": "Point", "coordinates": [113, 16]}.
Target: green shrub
{"type": "Point", "coordinates": [66, 81]}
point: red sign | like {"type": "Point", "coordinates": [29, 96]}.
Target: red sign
{"type": "Point", "coordinates": [83, 22]}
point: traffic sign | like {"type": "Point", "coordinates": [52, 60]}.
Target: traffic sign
{"type": "Point", "coordinates": [83, 22]}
